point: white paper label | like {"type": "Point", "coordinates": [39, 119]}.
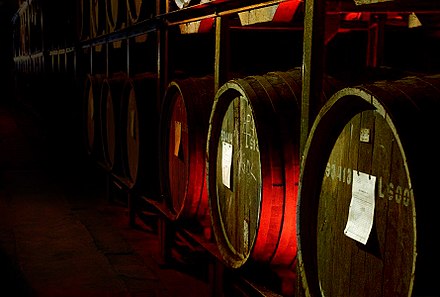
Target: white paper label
{"type": "Point", "coordinates": [361, 212]}
{"type": "Point", "coordinates": [226, 163]}
{"type": "Point", "coordinates": [177, 137]}
{"type": "Point", "coordinates": [365, 135]}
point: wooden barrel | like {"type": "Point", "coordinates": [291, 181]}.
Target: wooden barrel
{"type": "Point", "coordinates": [35, 26]}
{"type": "Point", "coordinates": [139, 134]}
{"type": "Point", "coordinates": [24, 32]}
{"type": "Point", "coordinates": [139, 10]}
{"type": "Point", "coordinates": [183, 129]}
{"type": "Point", "coordinates": [366, 208]}
{"type": "Point", "coordinates": [98, 17]}
{"type": "Point", "coordinates": [253, 168]}
{"type": "Point", "coordinates": [92, 89]}
{"type": "Point", "coordinates": [109, 108]}
{"type": "Point", "coordinates": [116, 15]}
{"type": "Point", "coordinates": [84, 18]}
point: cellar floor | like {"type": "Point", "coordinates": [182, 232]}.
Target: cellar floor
{"type": "Point", "coordinates": [60, 235]}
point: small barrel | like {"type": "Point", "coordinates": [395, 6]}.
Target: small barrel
{"type": "Point", "coordinates": [253, 168]}
{"type": "Point", "coordinates": [366, 208]}
{"type": "Point", "coordinates": [183, 129]}
{"type": "Point", "coordinates": [139, 134]}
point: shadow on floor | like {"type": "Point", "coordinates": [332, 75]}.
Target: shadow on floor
{"type": "Point", "coordinates": [12, 281]}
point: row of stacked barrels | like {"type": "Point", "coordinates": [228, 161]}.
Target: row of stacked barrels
{"type": "Point", "coordinates": [100, 17]}
{"type": "Point", "coordinates": [121, 127]}
{"type": "Point", "coordinates": [355, 221]}
{"type": "Point", "coordinates": [28, 33]}
{"type": "Point", "coordinates": [43, 24]}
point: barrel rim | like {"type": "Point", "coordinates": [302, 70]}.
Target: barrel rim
{"type": "Point", "coordinates": [172, 92]}
{"type": "Point", "coordinates": [141, 87]}
{"type": "Point", "coordinates": [107, 99]}
{"type": "Point", "coordinates": [229, 91]}
{"type": "Point", "coordinates": [91, 94]}
{"type": "Point", "coordinates": [351, 100]}
{"type": "Point", "coordinates": [125, 170]}
{"type": "Point", "coordinates": [197, 94]}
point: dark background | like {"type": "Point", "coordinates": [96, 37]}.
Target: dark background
{"type": "Point", "coordinates": [7, 10]}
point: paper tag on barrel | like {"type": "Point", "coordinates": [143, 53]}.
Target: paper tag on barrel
{"type": "Point", "coordinates": [226, 163]}
{"type": "Point", "coordinates": [361, 211]}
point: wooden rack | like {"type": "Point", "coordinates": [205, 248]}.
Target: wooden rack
{"type": "Point", "coordinates": [152, 39]}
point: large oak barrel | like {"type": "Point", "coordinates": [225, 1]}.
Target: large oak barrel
{"type": "Point", "coordinates": [183, 129]}
{"type": "Point", "coordinates": [253, 168]}
{"type": "Point", "coordinates": [139, 134]}
{"type": "Point", "coordinates": [367, 205]}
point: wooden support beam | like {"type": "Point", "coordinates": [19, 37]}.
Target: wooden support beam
{"type": "Point", "coordinates": [221, 58]}
{"type": "Point", "coordinates": [375, 41]}
{"type": "Point", "coordinates": [313, 65]}
{"type": "Point", "coordinates": [167, 235]}
{"type": "Point", "coordinates": [162, 62]}
{"type": "Point", "coordinates": [216, 277]}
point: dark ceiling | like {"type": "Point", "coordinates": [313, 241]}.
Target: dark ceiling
{"type": "Point", "coordinates": [7, 10]}
{"type": "Point", "coordinates": [9, 3]}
